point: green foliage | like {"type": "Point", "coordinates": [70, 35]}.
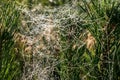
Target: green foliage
{"type": "Point", "coordinates": [101, 19]}
{"type": "Point", "coordinates": [9, 22]}
{"type": "Point", "coordinates": [104, 25]}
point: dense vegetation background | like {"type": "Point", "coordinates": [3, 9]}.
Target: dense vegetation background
{"type": "Point", "coordinates": [59, 40]}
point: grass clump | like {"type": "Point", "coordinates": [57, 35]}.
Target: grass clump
{"type": "Point", "coordinates": [10, 66]}
{"type": "Point", "coordinates": [99, 21]}
{"type": "Point", "coordinates": [81, 41]}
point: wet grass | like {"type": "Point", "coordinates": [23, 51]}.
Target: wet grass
{"type": "Point", "coordinates": [10, 66]}
{"type": "Point", "coordinates": [87, 46]}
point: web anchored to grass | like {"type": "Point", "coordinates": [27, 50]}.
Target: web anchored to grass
{"type": "Point", "coordinates": [71, 41]}
{"type": "Point", "coordinates": [41, 34]}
